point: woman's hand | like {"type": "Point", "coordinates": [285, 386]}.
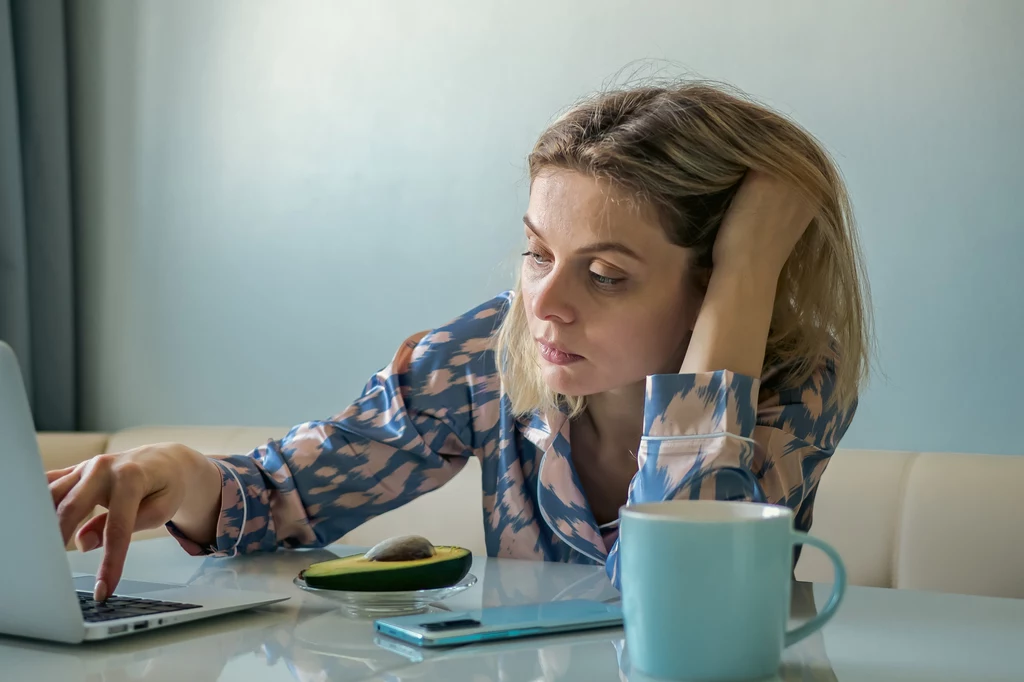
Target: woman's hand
{"type": "Point", "coordinates": [141, 488]}
{"type": "Point", "coordinates": [764, 222]}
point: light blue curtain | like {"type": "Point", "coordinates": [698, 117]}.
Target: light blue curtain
{"type": "Point", "coordinates": [37, 293]}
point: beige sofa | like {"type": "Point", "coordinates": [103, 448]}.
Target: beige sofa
{"type": "Point", "coordinates": [929, 521]}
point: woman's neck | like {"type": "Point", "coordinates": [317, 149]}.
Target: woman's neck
{"type": "Point", "coordinates": [617, 417]}
{"type": "Point", "coordinates": [605, 441]}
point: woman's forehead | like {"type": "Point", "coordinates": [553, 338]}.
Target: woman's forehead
{"type": "Point", "coordinates": [577, 208]}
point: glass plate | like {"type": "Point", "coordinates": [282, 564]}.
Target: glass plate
{"type": "Point", "coordinates": [379, 604]}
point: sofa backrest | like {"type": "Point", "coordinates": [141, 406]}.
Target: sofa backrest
{"type": "Point", "coordinates": [925, 521]}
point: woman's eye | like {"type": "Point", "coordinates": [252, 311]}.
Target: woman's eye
{"type": "Point", "coordinates": [537, 258]}
{"type": "Point", "coordinates": [604, 280]}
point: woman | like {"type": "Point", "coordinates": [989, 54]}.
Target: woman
{"type": "Point", "coordinates": [689, 322]}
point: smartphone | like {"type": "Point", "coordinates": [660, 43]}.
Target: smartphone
{"type": "Point", "coordinates": [500, 622]}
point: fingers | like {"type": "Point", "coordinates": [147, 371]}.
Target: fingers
{"type": "Point", "coordinates": [122, 511]}
{"type": "Point", "coordinates": [55, 474]}
{"type": "Point", "coordinates": [154, 511]}
{"type": "Point", "coordinates": [90, 534]}
{"type": "Point", "coordinates": [139, 489]}
{"type": "Point", "coordinates": [60, 486]}
{"type": "Point", "coordinates": [90, 490]}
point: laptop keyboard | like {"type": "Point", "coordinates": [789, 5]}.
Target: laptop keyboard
{"type": "Point", "coordinates": [126, 607]}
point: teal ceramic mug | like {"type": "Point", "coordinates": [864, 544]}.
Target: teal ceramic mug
{"type": "Point", "coordinates": [706, 588]}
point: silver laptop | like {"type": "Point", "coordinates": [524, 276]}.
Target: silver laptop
{"type": "Point", "coordinates": [39, 596]}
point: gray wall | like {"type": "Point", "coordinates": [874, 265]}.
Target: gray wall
{"type": "Point", "coordinates": [272, 195]}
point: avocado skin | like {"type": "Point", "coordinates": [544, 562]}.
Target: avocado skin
{"type": "Point", "coordinates": [391, 576]}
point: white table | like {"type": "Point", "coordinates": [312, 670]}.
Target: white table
{"type": "Point", "coordinates": [879, 635]}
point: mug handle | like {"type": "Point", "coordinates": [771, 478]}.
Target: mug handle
{"type": "Point", "coordinates": [838, 589]}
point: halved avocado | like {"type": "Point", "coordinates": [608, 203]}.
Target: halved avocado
{"type": "Point", "coordinates": [356, 573]}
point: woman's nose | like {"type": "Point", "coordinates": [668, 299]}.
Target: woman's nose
{"type": "Point", "coordinates": [552, 300]}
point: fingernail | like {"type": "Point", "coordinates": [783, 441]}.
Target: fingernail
{"type": "Point", "coordinates": [99, 592]}
{"type": "Point", "coordinates": [88, 542]}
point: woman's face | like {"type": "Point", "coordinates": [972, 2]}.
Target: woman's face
{"type": "Point", "coordinates": [609, 299]}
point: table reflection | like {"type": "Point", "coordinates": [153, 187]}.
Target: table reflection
{"type": "Point", "coordinates": [308, 639]}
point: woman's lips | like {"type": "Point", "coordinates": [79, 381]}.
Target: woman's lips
{"type": "Point", "coordinates": [556, 356]}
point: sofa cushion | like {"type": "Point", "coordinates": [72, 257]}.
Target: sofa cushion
{"type": "Point", "coordinates": [961, 528]}
{"type": "Point", "coordinates": [856, 510]}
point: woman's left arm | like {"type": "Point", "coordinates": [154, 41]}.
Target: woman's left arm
{"type": "Point", "coordinates": [705, 435]}
{"type": "Point", "coordinates": [707, 417]}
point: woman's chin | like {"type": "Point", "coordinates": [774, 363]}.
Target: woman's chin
{"type": "Point", "coordinates": [564, 380]}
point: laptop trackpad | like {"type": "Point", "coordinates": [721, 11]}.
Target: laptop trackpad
{"type": "Point", "coordinates": [125, 587]}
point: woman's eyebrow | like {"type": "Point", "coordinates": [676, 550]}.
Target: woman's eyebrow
{"type": "Point", "coordinates": [596, 247]}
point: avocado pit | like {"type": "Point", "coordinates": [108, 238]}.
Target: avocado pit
{"type": "Point", "coordinates": [402, 548]}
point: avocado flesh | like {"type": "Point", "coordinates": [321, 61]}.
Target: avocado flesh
{"type": "Point", "coordinates": [448, 566]}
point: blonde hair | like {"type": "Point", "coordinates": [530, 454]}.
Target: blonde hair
{"type": "Point", "coordinates": [683, 150]}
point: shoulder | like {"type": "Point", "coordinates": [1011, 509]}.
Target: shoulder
{"type": "Point", "coordinates": [450, 372]}
{"type": "Point", "coordinates": [468, 334]}
{"type": "Point", "coordinates": [463, 345]}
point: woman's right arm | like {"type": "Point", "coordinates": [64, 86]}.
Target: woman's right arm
{"type": "Point", "coordinates": [408, 433]}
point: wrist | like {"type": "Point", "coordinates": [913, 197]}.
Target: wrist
{"type": "Point", "coordinates": [732, 327]}
{"type": "Point", "coordinates": [205, 484]}
{"type": "Point", "coordinates": [751, 270]}
{"type": "Point", "coordinates": [200, 507]}
{"type": "Point", "coordinates": [742, 289]}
